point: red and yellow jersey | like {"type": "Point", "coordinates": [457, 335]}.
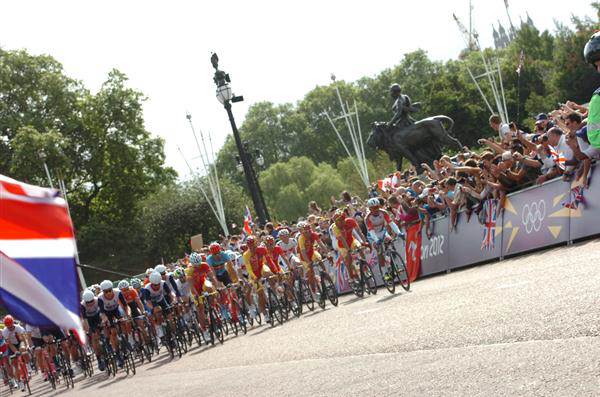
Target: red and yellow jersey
{"type": "Point", "coordinates": [345, 233]}
{"type": "Point", "coordinates": [308, 245]}
{"type": "Point", "coordinates": [197, 275]}
{"type": "Point", "coordinates": [254, 262]}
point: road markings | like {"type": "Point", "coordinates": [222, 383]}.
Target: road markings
{"type": "Point", "coordinates": [513, 285]}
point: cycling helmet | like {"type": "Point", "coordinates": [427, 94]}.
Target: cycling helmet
{"type": "Point", "coordinates": [301, 225]}
{"type": "Point", "coordinates": [269, 240]}
{"type": "Point", "coordinates": [106, 284]}
{"type": "Point", "coordinates": [250, 241]}
{"type": "Point", "coordinates": [136, 283]}
{"type": "Point", "coordinates": [243, 248]}
{"type": "Point", "coordinates": [9, 321]}
{"type": "Point", "coordinates": [195, 259]}
{"type": "Point", "coordinates": [149, 271]}
{"type": "Point", "coordinates": [338, 214]}
{"type": "Point", "coordinates": [214, 248]}
{"type": "Point", "coordinates": [591, 51]}
{"type": "Point", "coordinates": [373, 202]}
{"type": "Point", "coordinates": [284, 233]}
{"type": "Point", "coordinates": [161, 269]}
{"type": "Point", "coordinates": [123, 284]}
{"type": "Point", "coordinates": [179, 273]}
{"type": "Point", "coordinates": [155, 278]}
{"type": "Point", "coordinates": [88, 296]}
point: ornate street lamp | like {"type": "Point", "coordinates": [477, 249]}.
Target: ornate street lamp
{"type": "Point", "coordinates": [225, 97]}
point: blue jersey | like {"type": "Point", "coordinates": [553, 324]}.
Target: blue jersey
{"type": "Point", "coordinates": [218, 264]}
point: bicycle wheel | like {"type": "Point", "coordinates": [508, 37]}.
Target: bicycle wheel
{"type": "Point", "coordinates": [307, 296]}
{"type": "Point", "coordinates": [328, 288]}
{"type": "Point", "coordinates": [285, 307]}
{"type": "Point", "coordinates": [216, 326]}
{"type": "Point", "coordinates": [275, 307]}
{"type": "Point", "coordinates": [242, 313]}
{"type": "Point", "coordinates": [319, 289]}
{"type": "Point", "coordinates": [131, 362]}
{"type": "Point", "coordinates": [294, 305]}
{"type": "Point", "coordinates": [388, 279]}
{"type": "Point", "coordinates": [400, 270]}
{"type": "Point", "coordinates": [368, 278]}
{"type": "Point", "coordinates": [196, 330]}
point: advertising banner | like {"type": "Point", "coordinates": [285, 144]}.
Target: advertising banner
{"type": "Point", "coordinates": [535, 218]}
{"type": "Point", "coordinates": [476, 239]}
{"type": "Point", "coordinates": [434, 249]}
{"type": "Point", "coordinates": [584, 207]}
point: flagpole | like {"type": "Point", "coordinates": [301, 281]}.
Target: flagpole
{"type": "Point", "coordinates": [63, 189]}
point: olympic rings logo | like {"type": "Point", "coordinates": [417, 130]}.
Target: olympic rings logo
{"type": "Point", "coordinates": [532, 216]}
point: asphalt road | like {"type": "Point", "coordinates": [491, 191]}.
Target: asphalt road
{"type": "Point", "coordinates": [525, 326]}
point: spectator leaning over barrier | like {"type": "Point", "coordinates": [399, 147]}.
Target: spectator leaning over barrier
{"type": "Point", "coordinates": [497, 125]}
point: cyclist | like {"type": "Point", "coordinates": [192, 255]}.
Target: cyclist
{"type": "Point", "coordinates": [198, 272]}
{"type": "Point", "coordinates": [289, 245]}
{"type": "Point", "coordinates": [258, 265]}
{"type": "Point", "coordinates": [133, 309]}
{"type": "Point", "coordinates": [90, 315]}
{"type": "Point", "coordinates": [343, 229]}
{"type": "Point", "coordinates": [185, 289]}
{"type": "Point", "coordinates": [306, 247]}
{"type": "Point", "coordinates": [221, 265]}
{"type": "Point", "coordinates": [34, 339]}
{"type": "Point", "coordinates": [157, 294]}
{"type": "Point", "coordinates": [380, 227]}
{"type": "Point", "coordinates": [108, 301]}
{"type": "Point", "coordinates": [14, 335]}
{"type": "Point", "coordinates": [169, 278]}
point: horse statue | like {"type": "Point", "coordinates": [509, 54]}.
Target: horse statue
{"type": "Point", "coordinates": [420, 142]}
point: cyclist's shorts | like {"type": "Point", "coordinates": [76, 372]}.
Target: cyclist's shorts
{"type": "Point", "coordinates": [316, 257]}
{"type": "Point", "coordinates": [94, 322]}
{"type": "Point", "coordinates": [113, 316]}
{"type": "Point", "coordinates": [344, 252]}
{"type": "Point", "coordinates": [224, 278]}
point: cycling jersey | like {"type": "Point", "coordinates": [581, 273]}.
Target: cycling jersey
{"type": "Point", "coordinates": [11, 335]}
{"type": "Point", "coordinates": [254, 262]}
{"type": "Point", "coordinates": [129, 298]}
{"type": "Point", "coordinates": [197, 275]}
{"type": "Point", "coordinates": [88, 311]}
{"type": "Point", "coordinates": [275, 254]}
{"type": "Point", "coordinates": [184, 288]}
{"type": "Point", "coordinates": [308, 245]}
{"type": "Point", "coordinates": [377, 224]}
{"type": "Point", "coordinates": [157, 296]}
{"type": "Point", "coordinates": [288, 248]}
{"type": "Point", "coordinates": [3, 345]}
{"type": "Point", "coordinates": [217, 262]}
{"type": "Point", "coordinates": [108, 305]}
{"type": "Point", "coordinates": [346, 233]}
{"type": "Point", "coordinates": [173, 284]}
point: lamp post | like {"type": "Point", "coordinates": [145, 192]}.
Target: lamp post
{"type": "Point", "coordinates": [226, 97]}
{"type": "Point", "coordinates": [260, 161]}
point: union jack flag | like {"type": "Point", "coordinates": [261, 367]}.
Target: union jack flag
{"type": "Point", "coordinates": [559, 158]}
{"type": "Point", "coordinates": [38, 279]}
{"type": "Point", "coordinates": [248, 224]}
{"type": "Point", "coordinates": [576, 198]}
{"type": "Point", "coordinates": [385, 184]}
{"type": "Point", "coordinates": [489, 227]}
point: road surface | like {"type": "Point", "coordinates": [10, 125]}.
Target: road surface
{"type": "Point", "coordinates": [524, 326]}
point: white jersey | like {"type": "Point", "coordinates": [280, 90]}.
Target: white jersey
{"type": "Point", "coordinates": [184, 288]}
{"type": "Point", "coordinates": [11, 336]}
{"type": "Point", "coordinates": [290, 248]}
{"type": "Point", "coordinates": [89, 311]}
{"type": "Point", "coordinates": [154, 296]}
{"type": "Point", "coordinates": [108, 305]}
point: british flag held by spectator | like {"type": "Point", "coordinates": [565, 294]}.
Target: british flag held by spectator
{"type": "Point", "coordinates": [385, 185]}
{"type": "Point", "coordinates": [248, 224]}
{"type": "Point", "coordinates": [558, 157]}
{"type": "Point", "coordinates": [576, 198]}
{"type": "Point", "coordinates": [489, 227]}
{"type": "Point", "coordinates": [38, 279]}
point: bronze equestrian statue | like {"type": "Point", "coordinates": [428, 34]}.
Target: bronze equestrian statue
{"type": "Point", "coordinates": [403, 137]}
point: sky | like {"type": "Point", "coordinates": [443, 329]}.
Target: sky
{"type": "Point", "coordinates": [274, 51]}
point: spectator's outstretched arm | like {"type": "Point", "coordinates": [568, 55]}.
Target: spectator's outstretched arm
{"type": "Point", "coordinates": [528, 144]}
{"type": "Point", "coordinates": [492, 145]}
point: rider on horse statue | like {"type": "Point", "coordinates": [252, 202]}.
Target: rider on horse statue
{"type": "Point", "coordinates": [402, 108]}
